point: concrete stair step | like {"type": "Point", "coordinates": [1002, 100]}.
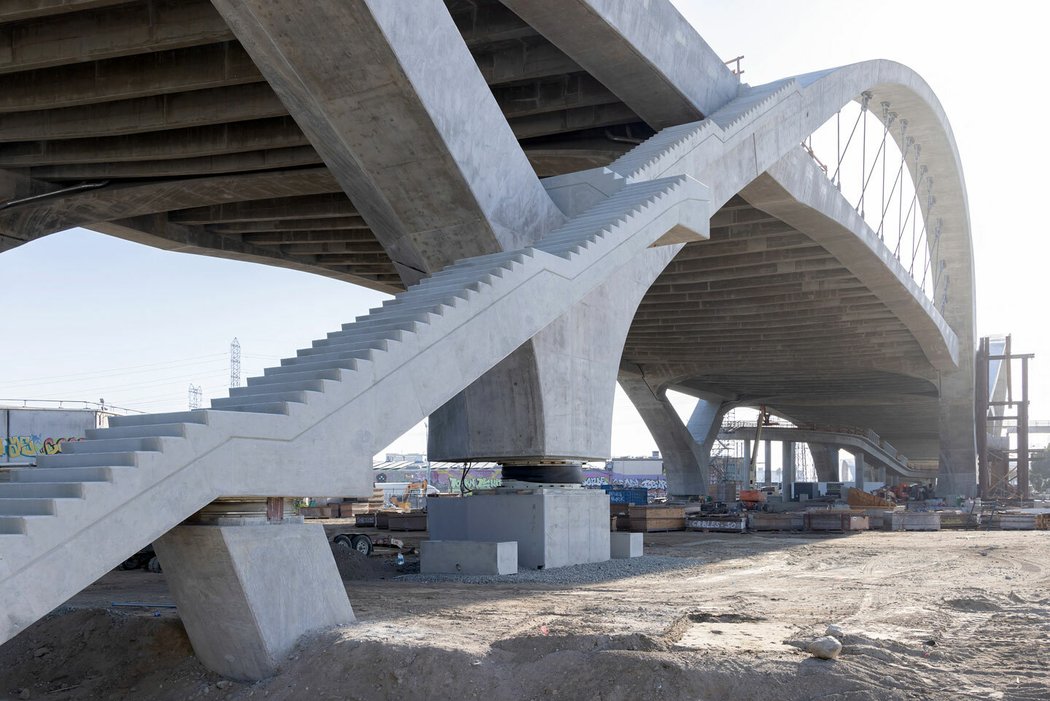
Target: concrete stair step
{"type": "Point", "coordinates": [350, 344]}
{"type": "Point", "coordinates": [172, 430]}
{"type": "Point", "coordinates": [113, 445]}
{"type": "Point", "coordinates": [41, 490]}
{"type": "Point", "coordinates": [395, 334]}
{"type": "Point", "coordinates": [280, 373]}
{"type": "Point", "coordinates": [177, 417]}
{"type": "Point", "coordinates": [13, 525]}
{"type": "Point", "coordinates": [60, 460]}
{"type": "Point", "coordinates": [68, 474]}
{"type": "Point", "coordinates": [288, 375]}
{"type": "Point", "coordinates": [27, 506]}
{"type": "Point", "coordinates": [362, 354]}
{"type": "Point", "coordinates": [260, 408]}
{"type": "Point", "coordinates": [290, 386]}
{"type": "Point", "coordinates": [295, 397]}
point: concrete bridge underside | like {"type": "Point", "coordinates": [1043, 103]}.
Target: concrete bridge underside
{"type": "Point", "coordinates": [763, 315]}
{"type": "Point", "coordinates": [571, 155]}
{"type": "Point", "coordinates": [177, 125]}
{"type": "Point", "coordinates": [162, 103]}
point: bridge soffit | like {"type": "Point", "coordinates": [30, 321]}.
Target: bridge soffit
{"type": "Point", "coordinates": [428, 168]}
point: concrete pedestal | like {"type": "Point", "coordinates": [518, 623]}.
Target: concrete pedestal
{"type": "Point", "coordinates": [625, 545]}
{"type": "Point", "coordinates": [247, 593]}
{"type": "Point", "coordinates": [467, 557]}
{"type": "Point", "coordinates": [553, 527]}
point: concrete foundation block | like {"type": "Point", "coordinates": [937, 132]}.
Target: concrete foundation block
{"type": "Point", "coordinates": [625, 545]}
{"type": "Point", "coordinates": [915, 521]}
{"type": "Point", "coordinates": [468, 557]}
{"type": "Point", "coordinates": [552, 527]}
{"type": "Point", "coordinates": [246, 594]}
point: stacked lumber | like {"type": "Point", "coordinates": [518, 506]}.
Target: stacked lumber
{"type": "Point", "coordinates": [859, 499]}
{"type": "Point", "coordinates": [326, 511]}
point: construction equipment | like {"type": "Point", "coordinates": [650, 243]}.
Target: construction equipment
{"type": "Point", "coordinates": [366, 544]}
{"type": "Point", "coordinates": [414, 497]}
{"type": "Point", "coordinates": [753, 499]}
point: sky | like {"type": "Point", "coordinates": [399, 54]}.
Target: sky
{"type": "Point", "coordinates": [90, 317]}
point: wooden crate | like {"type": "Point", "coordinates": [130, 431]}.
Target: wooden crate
{"type": "Point", "coordinates": [785, 521]}
{"type": "Point", "coordinates": [412, 521]}
{"type": "Point", "coordinates": [656, 517]}
{"type": "Point", "coordinates": [879, 519]}
{"type": "Point", "coordinates": [365, 520]}
{"type": "Point", "coordinates": [383, 519]}
{"type": "Point", "coordinates": [1019, 521]}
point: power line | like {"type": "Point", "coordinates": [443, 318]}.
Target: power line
{"type": "Point", "coordinates": [52, 379]}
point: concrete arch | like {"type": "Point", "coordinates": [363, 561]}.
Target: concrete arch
{"type": "Point", "coordinates": [748, 137]}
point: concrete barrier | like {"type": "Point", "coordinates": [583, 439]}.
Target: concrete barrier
{"type": "Point", "coordinates": [468, 557]}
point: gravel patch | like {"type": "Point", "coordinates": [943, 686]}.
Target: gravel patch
{"type": "Point", "coordinates": [591, 573]}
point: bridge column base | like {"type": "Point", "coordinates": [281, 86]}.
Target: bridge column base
{"type": "Point", "coordinates": [247, 593]}
{"type": "Point", "coordinates": [554, 527]}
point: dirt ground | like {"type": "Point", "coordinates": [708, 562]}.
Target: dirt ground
{"type": "Point", "coordinates": [947, 615]}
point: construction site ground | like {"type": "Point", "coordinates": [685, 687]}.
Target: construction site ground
{"type": "Point", "coordinates": [941, 615]}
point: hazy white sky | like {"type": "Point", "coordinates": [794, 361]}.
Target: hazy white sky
{"type": "Point", "coordinates": [91, 317]}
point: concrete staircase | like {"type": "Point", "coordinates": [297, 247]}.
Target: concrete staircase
{"type": "Point", "coordinates": [312, 424]}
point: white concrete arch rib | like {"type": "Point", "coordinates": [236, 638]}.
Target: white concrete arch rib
{"type": "Point", "coordinates": [749, 150]}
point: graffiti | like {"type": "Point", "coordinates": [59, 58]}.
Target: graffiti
{"type": "Point", "coordinates": [475, 483]}
{"type": "Point", "coordinates": [647, 481]}
{"type": "Point", "coordinates": [31, 446]}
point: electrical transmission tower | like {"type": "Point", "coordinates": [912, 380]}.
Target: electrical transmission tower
{"type": "Point", "coordinates": [195, 397]}
{"type": "Point", "coordinates": [235, 363]}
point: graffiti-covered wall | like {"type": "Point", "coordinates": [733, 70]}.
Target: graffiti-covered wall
{"type": "Point", "coordinates": [28, 433]}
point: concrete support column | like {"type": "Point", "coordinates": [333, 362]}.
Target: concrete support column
{"type": "Point", "coordinates": [746, 476]}
{"type": "Point", "coordinates": [685, 462]}
{"type": "Point", "coordinates": [957, 472]}
{"type": "Point", "coordinates": [247, 593]}
{"type": "Point", "coordinates": [859, 470]}
{"type": "Point", "coordinates": [825, 461]}
{"type": "Point", "coordinates": [787, 475]}
{"type": "Point", "coordinates": [552, 398]}
{"type": "Point", "coordinates": [769, 463]}
{"type": "Point", "coordinates": [704, 424]}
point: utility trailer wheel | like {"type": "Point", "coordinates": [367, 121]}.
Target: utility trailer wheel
{"type": "Point", "coordinates": [154, 565]}
{"type": "Point", "coordinates": [362, 544]}
{"type": "Point", "coordinates": [344, 540]}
